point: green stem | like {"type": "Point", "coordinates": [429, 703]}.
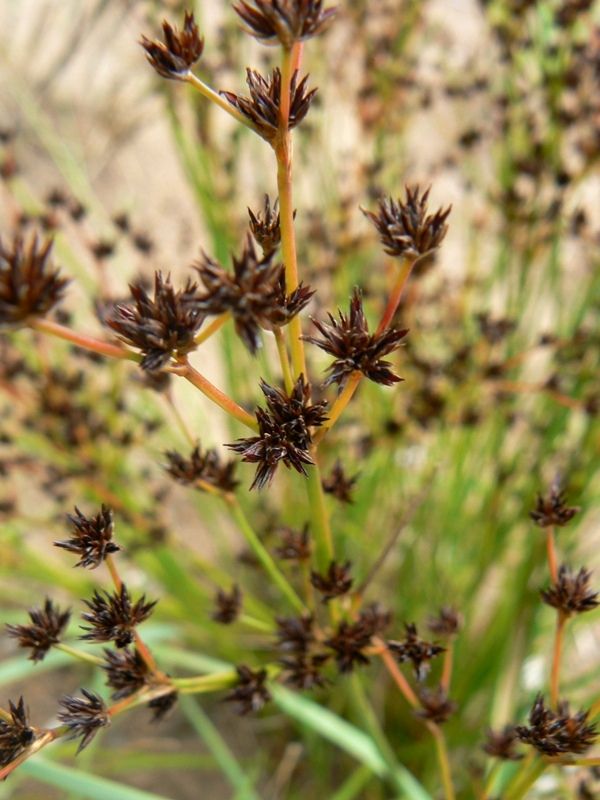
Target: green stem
{"type": "Point", "coordinates": [288, 381]}
{"type": "Point", "coordinates": [218, 100]}
{"type": "Point", "coordinates": [262, 554]}
{"type": "Point", "coordinates": [79, 654]}
{"type": "Point", "coordinates": [444, 761]}
{"type": "Point", "coordinates": [525, 780]}
{"type": "Point", "coordinates": [320, 519]}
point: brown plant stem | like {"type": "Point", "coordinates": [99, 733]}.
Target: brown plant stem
{"type": "Point", "coordinates": [82, 340]}
{"type": "Point", "coordinates": [185, 370]}
{"type": "Point", "coordinates": [443, 760]}
{"type": "Point", "coordinates": [395, 673]}
{"type": "Point", "coordinates": [396, 294]}
{"type": "Point", "coordinates": [446, 678]}
{"type": "Point", "coordinates": [551, 551]}
{"type": "Point", "coordinates": [561, 620]}
{"type": "Point", "coordinates": [286, 371]}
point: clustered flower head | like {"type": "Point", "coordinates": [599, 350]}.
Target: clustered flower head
{"type": "Point", "coordinates": [263, 107]}
{"type": "Point", "coordinates": [227, 605]}
{"type": "Point", "coordinates": [287, 21]}
{"type": "Point", "coordinates": [351, 639]}
{"type": "Point", "coordinates": [114, 617]}
{"type": "Point", "coordinates": [159, 327]}
{"type": "Point", "coordinates": [126, 672]}
{"type": "Point", "coordinates": [202, 467]}
{"type": "Point", "coordinates": [294, 545]}
{"type": "Point", "coordinates": [556, 732]}
{"type": "Point", "coordinates": [552, 509]}
{"type": "Point", "coordinates": [265, 226]}
{"type": "Point", "coordinates": [355, 349]}
{"type": "Point", "coordinates": [446, 623]}
{"type": "Point", "coordinates": [501, 744]}
{"type": "Point", "coordinates": [92, 537]}
{"type": "Point", "coordinates": [335, 582]}
{"type": "Point", "coordinates": [571, 594]}
{"type": "Point", "coordinates": [250, 692]}
{"type": "Point", "coordinates": [436, 706]}
{"type": "Point", "coordinates": [405, 227]}
{"type": "Point", "coordinates": [29, 284]}
{"type": "Point", "coordinates": [284, 432]}
{"type": "Point", "coordinates": [416, 650]}
{"type": "Point", "coordinates": [45, 630]}
{"type": "Point", "coordinates": [340, 485]}
{"type": "Point", "coordinates": [254, 293]}
{"type": "Point", "coordinates": [301, 662]}
{"type": "Point", "coordinates": [180, 50]}
{"type": "Point", "coordinates": [16, 735]}
{"type": "Point", "coordinates": [83, 716]}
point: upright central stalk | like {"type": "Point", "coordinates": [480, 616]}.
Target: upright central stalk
{"type": "Point", "coordinates": [283, 154]}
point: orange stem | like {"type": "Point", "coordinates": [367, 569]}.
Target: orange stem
{"type": "Point", "coordinates": [82, 340]}
{"type": "Point", "coordinates": [551, 550]}
{"type": "Point", "coordinates": [555, 675]}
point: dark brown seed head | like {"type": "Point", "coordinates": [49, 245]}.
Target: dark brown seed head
{"type": "Point", "coordinates": [303, 671]}
{"type": "Point", "coordinates": [436, 706]}
{"type": "Point", "coordinates": [501, 744]}
{"type": "Point", "coordinates": [254, 293]}
{"type": "Point", "coordinates": [29, 284]}
{"type": "Point", "coordinates": [339, 484]}
{"type": "Point", "coordinates": [84, 716]}
{"type": "Point", "coordinates": [250, 693]}
{"type": "Point", "coordinates": [92, 537]}
{"type": "Point", "coordinates": [284, 432]}
{"type": "Point", "coordinates": [571, 594]}
{"type": "Point", "coordinates": [262, 107]}
{"type": "Point", "coordinates": [265, 226]}
{"type": "Point", "coordinates": [286, 21]}
{"type": "Point", "coordinates": [405, 228]}
{"type": "Point", "coordinates": [162, 705]}
{"type": "Point", "coordinates": [552, 509]}
{"type": "Point", "coordinates": [45, 630]}
{"type": "Point", "coordinates": [202, 467]}
{"type": "Point", "coordinates": [113, 617]}
{"type": "Point", "coordinates": [180, 50]}
{"type": "Point", "coordinates": [126, 672]}
{"type": "Point", "coordinates": [295, 545]}
{"type": "Point", "coordinates": [227, 605]}
{"type": "Point", "coordinates": [355, 349]}
{"type": "Point", "coordinates": [295, 634]}
{"type": "Point", "coordinates": [159, 327]}
{"type": "Point", "coordinates": [416, 650]}
{"type": "Point", "coordinates": [351, 639]}
{"type": "Point", "coordinates": [447, 622]}
{"type": "Point", "coordinates": [16, 735]}
{"type": "Point", "coordinates": [336, 581]}
{"type": "Point", "coordinates": [556, 732]}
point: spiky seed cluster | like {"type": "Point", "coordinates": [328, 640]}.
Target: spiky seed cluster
{"type": "Point", "coordinates": [158, 327]}
{"type": "Point", "coordinates": [555, 732]}
{"type": "Point", "coordinates": [552, 509]}
{"type": "Point", "coordinates": [265, 226]}
{"type": "Point", "coordinates": [46, 628]}
{"type": "Point", "coordinates": [250, 693]}
{"type": "Point", "coordinates": [284, 432]}
{"type": "Point", "coordinates": [126, 672]}
{"type": "Point", "coordinates": [447, 622]}
{"type": "Point", "coordinates": [351, 639]}
{"type": "Point", "coordinates": [180, 50]}
{"type": "Point", "coordinates": [255, 294]}
{"type": "Point", "coordinates": [501, 744]}
{"type": "Point", "coordinates": [355, 349]}
{"type": "Point", "coordinates": [296, 640]}
{"type": "Point", "coordinates": [571, 594]}
{"type": "Point", "coordinates": [162, 705]}
{"type": "Point", "coordinates": [262, 107]}
{"type": "Point", "coordinates": [436, 706]}
{"type": "Point", "coordinates": [29, 285]}
{"type": "Point", "coordinates": [340, 485]}
{"type": "Point", "coordinates": [92, 537]}
{"type": "Point", "coordinates": [416, 650]}
{"type": "Point", "coordinates": [335, 582]}
{"type": "Point", "coordinates": [288, 21]}
{"type": "Point", "coordinates": [83, 716]}
{"type": "Point", "coordinates": [227, 605]}
{"type": "Point", "coordinates": [405, 228]}
{"type": "Point", "coordinates": [113, 617]}
{"type": "Point", "coordinates": [295, 545]}
{"type": "Point", "coordinates": [207, 467]}
{"type": "Point", "coordinates": [16, 735]}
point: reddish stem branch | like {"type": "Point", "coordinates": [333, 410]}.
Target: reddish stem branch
{"type": "Point", "coordinates": [82, 340]}
{"type": "Point", "coordinates": [561, 620]}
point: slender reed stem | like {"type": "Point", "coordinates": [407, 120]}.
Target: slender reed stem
{"type": "Point", "coordinates": [444, 761]}
{"type": "Point", "coordinates": [339, 405]}
{"type": "Point", "coordinates": [182, 424]}
{"type": "Point", "coordinates": [262, 553]}
{"type": "Point", "coordinates": [321, 528]}
{"type": "Point", "coordinates": [284, 360]}
{"type": "Point", "coordinates": [525, 780]}
{"type": "Point", "coordinates": [114, 572]}
{"type": "Point", "coordinates": [395, 673]}
{"type": "Point", "coordinates": [218, 100]}
{"type": "Point", "coordinates": [79, 654]}
{"type": "Point", "coordinates": [185, 370]}
{"type": "Point", "coordinates": [82, 340]}
{"type": "Point", "coordinates": [447, 668]}
{"type": "Point", "coordinates": [211, 329]}
{"type": "Point", "coordinates": [551, 550]}
{"type": "Point", "coordinates": [561, 620]}
{"type": "Point", "coordinates": [396, 293]}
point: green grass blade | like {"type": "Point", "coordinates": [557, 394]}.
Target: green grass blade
{"type": "Point", "coordinates": [84, 784]}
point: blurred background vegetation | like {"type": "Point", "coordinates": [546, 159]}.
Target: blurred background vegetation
{"type": "Point", "coordinates": [496, 105]}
